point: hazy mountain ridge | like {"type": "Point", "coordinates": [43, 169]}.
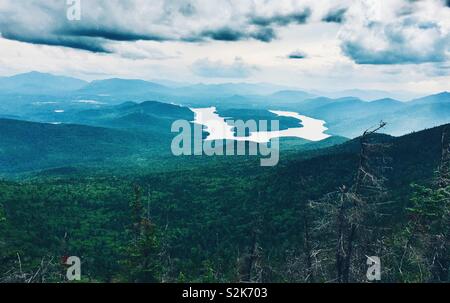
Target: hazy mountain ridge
{"type": "Point", "coordinates": [351, 116]}
{"type": "Point", "coordinates": [39, 83]}
{"type": "Point", "coordinates": [28, 146]}
{"type": "Point", "coordinates": [64, 99]}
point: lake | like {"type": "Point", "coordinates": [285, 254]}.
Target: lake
{"type": "Point", "coordinates": [309, 128]}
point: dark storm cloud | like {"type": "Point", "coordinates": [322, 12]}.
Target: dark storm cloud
{"type": "Point", "coordinates": [84, 38]}
{"type": "Point", "coordinates": [394, 55]}
{"type": "Point", "coordinates": [110, 34]}
{"type": "Point", "coordinates": [282, 20]}
{"type": "Point", "coordinates": [223, 34]}
{"type": "Point", "coordinates": [88, 44]}
{"type": "Point", "coordinates": [104, 22]}
{"type": "Point", "coordinates": [297, 55]}
{"type": "Point", "coordinates": [336, 16]}
{"type": "Point", "coordinates": [83, 44]}
{"type": "Point", "coordinates": [413, 35]}
{"type": "Point", "coordinates": [264, 34]}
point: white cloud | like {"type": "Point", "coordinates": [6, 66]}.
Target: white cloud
{"type": "Point", "coordinates": [396, 32]}
{"type": "Point", "coordinates": [198, 40]}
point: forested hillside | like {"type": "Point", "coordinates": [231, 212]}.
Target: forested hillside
{"type": "Point", "coordinates": [232, 220]}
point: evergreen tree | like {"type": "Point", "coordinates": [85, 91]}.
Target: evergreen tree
{"type": "Point", "coordinates": [430, 219]}
{"type": "Point", "coordinates": [142, 262]}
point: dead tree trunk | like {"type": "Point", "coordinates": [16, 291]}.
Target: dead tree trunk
{"type": "Point", "coordinates": [347, 214]}
{"type": "Point", "coordinates": [309, 272]}
{"type": "Point", "coordinates": [249, 264]}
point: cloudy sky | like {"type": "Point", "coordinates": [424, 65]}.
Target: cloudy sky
{"type": "Point", "coordinates": [317, 44]}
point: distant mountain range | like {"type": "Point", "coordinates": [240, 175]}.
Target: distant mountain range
{"type": "Point", "coordinates": [35, 83]}
{"type": "Point", "coordinates": [119, 90]}
{"type": "Point", "coordinates": [351, 116]}
{"type": "Point", "coordinates": [120, 135]}
{"type": "Point", "coordinates": [367, 94]}
{"type": "Point", "coordinates": [27, 146]}
{"type": "Point", "coordinates": [43, 97]}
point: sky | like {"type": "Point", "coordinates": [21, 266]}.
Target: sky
{"type": "Point", "coordinates": [392, 45]}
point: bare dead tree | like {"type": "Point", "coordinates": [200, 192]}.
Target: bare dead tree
{"type": "Point", "coordinates": [250, 268]}
{"type": "Point", "coordinates": [349, 214]}
{"type": "Point", "coordinates": [48, 270]}
{"type": "Point", "coordinates": [308, 247]}
{"type": "Point", "coordinates": [307, 263]}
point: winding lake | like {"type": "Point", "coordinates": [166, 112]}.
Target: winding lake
{"type": "Point", "coordinates": [309, 128]}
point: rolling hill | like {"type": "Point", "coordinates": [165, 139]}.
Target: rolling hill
{"type": "Point", "coordinates": [151, 116]}
{"type": "Point", "coordinates": [28, 146]}
{"type": "Point", "coordinates": [349, 117]}
{"type": "Point", "coordinates": [215, 221]}
{"type": "Point", "coordinates": [35, 83]}
{"type": "Point", "coordinates": [116, 86]}
{"type": "Point", "coordinates": [47, 98]}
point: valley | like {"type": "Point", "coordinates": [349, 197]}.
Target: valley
{"type": "Point", "coordinates": [241, 149]}
{"type": "Point", "coordinates": [76, 167]}
{"type": "Point", "coordinates": [345, 116]}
